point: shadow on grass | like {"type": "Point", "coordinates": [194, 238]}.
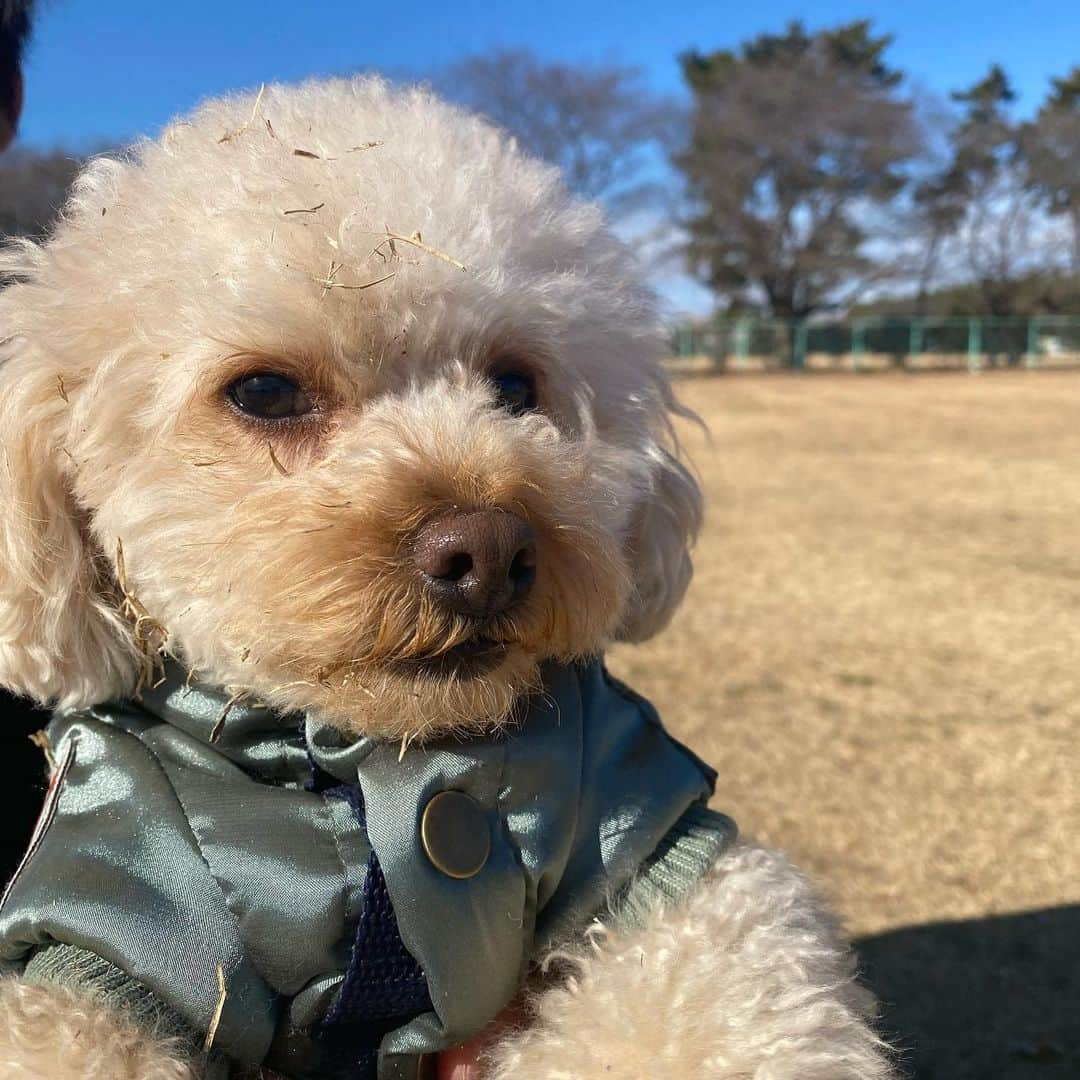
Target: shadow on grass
{"type": "Point", "coordinates": [986, 999]}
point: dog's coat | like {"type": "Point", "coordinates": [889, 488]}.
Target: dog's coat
{"type": "Point", "coordinates": [188, 838]}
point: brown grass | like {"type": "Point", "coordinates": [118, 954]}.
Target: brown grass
{"type": "Point", "coordinates": [881, 654]}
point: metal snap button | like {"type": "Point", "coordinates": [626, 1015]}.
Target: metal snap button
{"type": "Point", "coordinates": [454, 834]}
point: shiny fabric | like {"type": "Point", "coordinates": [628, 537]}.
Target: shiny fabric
{"type": "Point", "coordinates": [181, 834]}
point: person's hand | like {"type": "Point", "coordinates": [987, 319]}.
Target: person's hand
{"type": "Point", "coordinates": [464, 1062]}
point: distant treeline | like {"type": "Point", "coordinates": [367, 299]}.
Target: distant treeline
{"type": "Point", "coordinates": [1031, 294]}
{"type": "Point", "coordinates": [32, 189]}
{"type": "Point", "coordinates": [816, 179]}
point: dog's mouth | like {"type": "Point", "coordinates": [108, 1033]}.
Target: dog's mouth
{"type": "Point", "coordinates": [470, 659]}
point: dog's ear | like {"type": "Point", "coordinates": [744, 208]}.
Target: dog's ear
{"type": "Point", "coordinates": [667, 523]}
{"type": "Point", "coordinates": [62, 638]}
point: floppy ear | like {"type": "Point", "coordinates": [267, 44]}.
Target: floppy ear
{"type": "Point", "coordinates": [62, 638]}
{"type": "Point", "coordinates": [664, 531]}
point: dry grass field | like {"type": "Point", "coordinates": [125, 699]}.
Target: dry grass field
{"type": "Point", "coordinates": [881, 654]}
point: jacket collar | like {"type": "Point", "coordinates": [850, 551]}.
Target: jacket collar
{"type": "Point", "coordinates": [277, 747]}
{"type": "Point", "coordinates": [284, 747]}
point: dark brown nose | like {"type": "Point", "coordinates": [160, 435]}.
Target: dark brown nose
{"type": "Point", "coordinates": [478, 563]}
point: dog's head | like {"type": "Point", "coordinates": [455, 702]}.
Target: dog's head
{"type": "Point", "coordinates": [344, 400]}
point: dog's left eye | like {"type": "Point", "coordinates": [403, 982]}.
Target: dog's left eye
{"type": "Point", "coordinates": [515, 391]}
{"type": "Point", "coordinates": [270, 397]}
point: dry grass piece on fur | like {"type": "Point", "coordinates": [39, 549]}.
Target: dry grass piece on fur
{"type": "Point", "coordinates": [150, 636]}
{"type": "Point", "coordinates": [42, 741]}
{"type": "Point", "coordinates": [416, 241]}
{"type": "Point", "coordinates": [229, 135]}
{"type": "Point", "coordinates": [219, 724]}
{"type": "Point", "coordinates": [330, 281]}
{"type": "Point", "coordinates": [274, 458]}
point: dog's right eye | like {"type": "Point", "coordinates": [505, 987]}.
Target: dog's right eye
{"type": "Point", "coordinates": [515, 391]}
{"type": "Point", "coordinates": [269, 397]}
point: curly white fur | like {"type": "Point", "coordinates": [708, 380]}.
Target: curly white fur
{"type": "Point", "coordinates": [323, 236]}
{"type": "Point", "coordinates": [748, 979]}
{"type": "Point", "coordinates": [53, 1033]}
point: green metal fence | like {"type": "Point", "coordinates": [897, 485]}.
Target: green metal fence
{"type": "Point", "coordinates": [880, 343]}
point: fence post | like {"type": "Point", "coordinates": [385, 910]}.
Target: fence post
{"type": "Point", "coordinates": [974, 344]}
{"type": "Point", "coordinates": [742, 341]}
{"type": "Point", "coordinates": [915, 337]}
{"type": "Point", "coordinates": [858, 343]}
{"type": "Point", "coordinates": [682, 349]}
{"type": "Point", "coordinates": [798, 345]}
{"type": "Point", "coordinates": [1031, 357]}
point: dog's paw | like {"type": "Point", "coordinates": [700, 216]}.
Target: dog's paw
{"type": "Point", "coordinates": [55, 1033]}
{"type": "Point", "coordinates": [745, 979]}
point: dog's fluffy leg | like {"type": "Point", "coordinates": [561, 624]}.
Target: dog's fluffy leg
{"type": "Point", "coordinates": [54, 1033]}
{"type": "Point", "coordinates": [748, 978]}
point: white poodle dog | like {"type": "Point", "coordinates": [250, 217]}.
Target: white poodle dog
{"type": "Point", "coordinates": [336, 446]}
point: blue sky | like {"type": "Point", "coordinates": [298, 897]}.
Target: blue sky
{"type": "Point", "coordinates": [103, 71]}
{"type": "Point", "coordinates": [110, 69]}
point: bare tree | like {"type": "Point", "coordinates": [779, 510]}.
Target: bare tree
{"type": "Point", "coordinates": [33, 187]}
{"type": "Point", "coordinates": [600, 124]}
{"type": "Point", "coordinates": [999, 238]}
{"type": "Point", "coordinates": [925, 217]}
{"type": "Point", "coordinates": [997, 227]}
{"type": "Point", "coordinates": [1052, 150]}
{"type": "Point", "coordinates": [796, 138]}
